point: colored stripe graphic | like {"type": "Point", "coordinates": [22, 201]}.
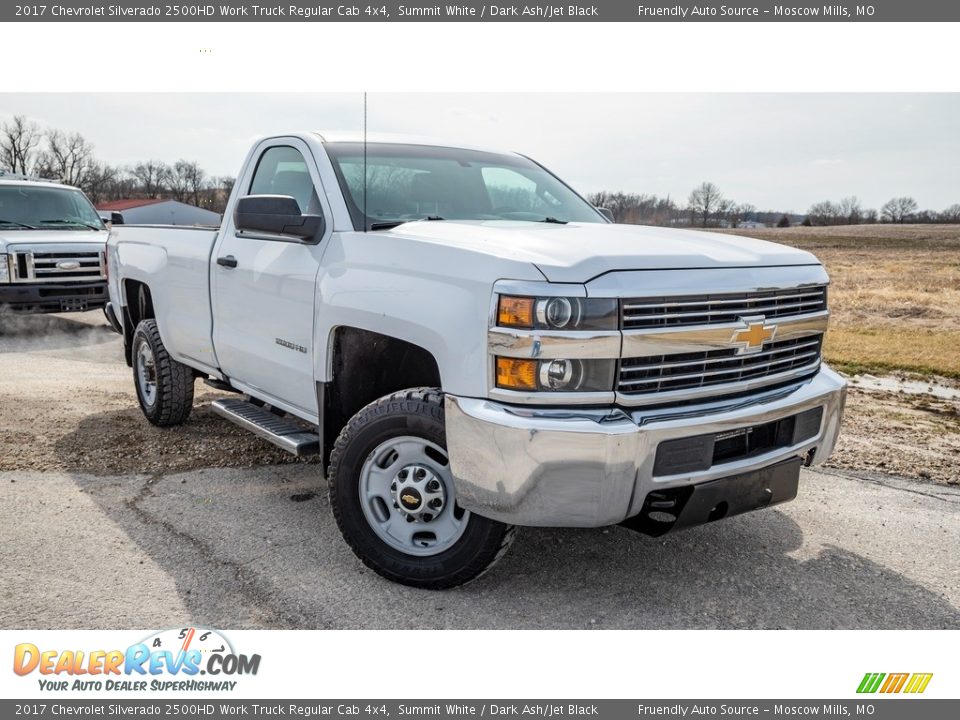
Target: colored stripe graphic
{"type": "Point", "coordinates": [918, 682]}
{"type": "Point", "coordinates": [894, 682]}
{"type": "Point", "coordinates": [870, 682]}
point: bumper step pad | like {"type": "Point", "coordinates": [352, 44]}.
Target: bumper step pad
{"type": "Point", "coordinates": [682, 507]}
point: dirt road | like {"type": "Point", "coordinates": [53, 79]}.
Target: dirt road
{"type": "Point", "coordinates": [100, 511]}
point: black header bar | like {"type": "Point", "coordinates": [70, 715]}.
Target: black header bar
{"type": "Point", "coordinates": [475, 11]}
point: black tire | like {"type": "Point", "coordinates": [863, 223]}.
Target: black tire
{"type": "Point", "coordinates": [173, 399]}
{"type": "Point", "coordinates": [416, 412]}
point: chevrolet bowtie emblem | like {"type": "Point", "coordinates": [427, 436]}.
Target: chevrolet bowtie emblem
{"type": "Point", "coordinates": [410, 499]}
{"type": "Point", "coordinates": [755, 333]}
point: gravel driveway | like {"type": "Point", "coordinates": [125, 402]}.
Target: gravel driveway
{"type": "Point", "coordinates": [110, 522]}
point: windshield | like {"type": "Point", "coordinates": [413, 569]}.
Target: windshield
{"type": "Point", "coordinates": [413, 182]}
{"type": "Point", "coordinates": [31, 207]}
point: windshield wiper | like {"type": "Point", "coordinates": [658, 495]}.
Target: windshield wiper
{"type": "Point", "coordinates": [390, 224]}
{"type": "Point", "coordinates": [18, 224]}
{"type": "Point", "coordinates": [90, 226]}
{"type": "Point", "coordinates": [553, 220]}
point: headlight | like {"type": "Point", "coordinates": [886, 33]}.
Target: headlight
{"type": "Point", "coordinates": [557, 313]}
{"type": "Point", "coordinates": [4, 270]}
{"type": "Point", "coordinates": [555, 375]}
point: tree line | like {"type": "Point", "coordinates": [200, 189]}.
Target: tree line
{"type": "Point", "coordinates": [849, 211]}
{"type": "Point", "coordinates": [707, 206]}
{"type": "Point", "coordinates": [28, 149]}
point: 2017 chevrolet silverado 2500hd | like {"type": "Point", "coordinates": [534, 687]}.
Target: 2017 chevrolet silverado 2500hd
{"type": "Point", "coordinates": [52, 245]}
{"type": "Point", "coordinates": [477, 348]}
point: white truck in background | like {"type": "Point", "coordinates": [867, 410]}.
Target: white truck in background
{"type": "Point", "coordinates": [475, 347]}
{"type": "Point", "coordinates": [52, 247]}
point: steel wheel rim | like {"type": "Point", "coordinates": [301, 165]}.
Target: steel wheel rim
{"type": "Point", "coordinates": [408, 512]}
{"type": "Point", "coordinates": [146, 373]}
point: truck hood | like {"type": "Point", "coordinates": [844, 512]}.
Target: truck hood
{"type": "Point", "coordinates": [28, 238]}
{"type": "Point", "coordinates": [580, 252]}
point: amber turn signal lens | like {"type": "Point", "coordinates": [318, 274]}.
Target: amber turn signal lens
{"type": "Point", "coordinates": [513, 374]}
{"type": "Point", "coordinates": [515, 312]}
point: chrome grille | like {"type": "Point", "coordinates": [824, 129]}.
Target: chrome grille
{"type": "Point", "coordinates": [657, 312]}
{"type": "Point", "coordinates": [689, 371]}
{"type": "Point", "coordinates": [58, 266]}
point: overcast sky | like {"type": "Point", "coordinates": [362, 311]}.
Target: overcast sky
{"type": "Point", "coordinates": [776, 151]}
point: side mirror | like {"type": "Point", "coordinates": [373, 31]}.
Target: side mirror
{"type": "Point", "coordinates": [607, 213]}
{"type": "Point", "coordinates": [277, 215]}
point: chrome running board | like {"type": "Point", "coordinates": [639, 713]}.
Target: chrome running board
{"type": "Point", "coordinates": [280, 431]}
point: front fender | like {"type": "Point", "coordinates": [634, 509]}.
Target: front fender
{"type": "Point", "coordinates": [433, 296]}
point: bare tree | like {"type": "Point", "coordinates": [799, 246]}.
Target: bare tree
{"type": "Point", "coordinates": [152, 176]}
{"type": "Point", "coordinates": [197, 180]}
{"type": "Point", "coordinates": [847, 211]}
{"type": "Point", "coordinates": [823, 213]}
{"type": "Point", "coordinates": [19, 139]}
{"type": "Point", "coordinates": [24, 148]}
{"type": "Point", "coordinates": [635, 209]}
{"type": "Point", "coordinates": [951, 214]}
{"type": "Point", "coordinates": [177, 180]}
{"type": "Point", "coordinates": [101, 181]}
{"type": "Point", "coordinates": [738, 213]}
{"type": "Point", "coordinates": [186, 181]}
{"type": "Point", "coordinates": [897, 210]}
{"type": "Point", "coordinates": [850, 210]}
{"type": "Point", "coordinates": [67, 157]}
{"type": "Point", "coordinates": [705, 202]}
{"type": "Point", "coordinates": [217, 192]}
{"type": "Point", "coordinates": [121, 186]}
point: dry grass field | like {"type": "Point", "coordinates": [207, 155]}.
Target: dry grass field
{"type": "Point", "coordinates": [895, 304]}
{"type": "Point", "coordinates": [894, 294]}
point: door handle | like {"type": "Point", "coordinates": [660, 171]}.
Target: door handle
{"type": "Point", "coordinates": [228, 261]}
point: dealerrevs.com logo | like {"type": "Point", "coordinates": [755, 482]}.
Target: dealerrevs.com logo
{"type": "Point", "coordinates": [911, 683]}
{"type": "Point", "coordinates": [168, 660]}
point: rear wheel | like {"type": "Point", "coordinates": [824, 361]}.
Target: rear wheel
{"type": "Point", "coordinates": [394, 497]}
{"type": "Point", "coordinates": [164, 386]}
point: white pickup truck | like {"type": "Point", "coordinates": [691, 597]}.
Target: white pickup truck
{"type": "Point", "coordinates": [475, 347]}
{"type": "Point", "coordinates": [52, 245]}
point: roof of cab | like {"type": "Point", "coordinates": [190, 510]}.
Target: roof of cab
{"type": "Point", "coordinates": [13, 179]}
{"type": "Point", "coordinates": [397, 139]}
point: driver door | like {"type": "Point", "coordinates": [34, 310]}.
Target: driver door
{"type": "Point", "coordinates": [264, 287]}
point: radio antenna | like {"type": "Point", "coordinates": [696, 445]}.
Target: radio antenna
{"type": "Point", "coordinates": [365, 216]}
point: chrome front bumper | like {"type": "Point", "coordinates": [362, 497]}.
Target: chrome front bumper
{"type": "Point", "coordinates": [576, 467]}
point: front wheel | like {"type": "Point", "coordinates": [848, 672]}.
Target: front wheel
{"type": "Point", "coordinates": [394, 498]}
{"type": "Point", "coordinates": [164, 386]}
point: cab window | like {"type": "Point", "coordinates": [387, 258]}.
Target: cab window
{"type": "Point", "coordinates": [282, 170]}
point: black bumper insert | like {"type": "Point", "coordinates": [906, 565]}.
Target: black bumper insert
{"type": "Point", "coordinates": [53, 297]}
{"type": "Point", "coordinates": [702, 452]}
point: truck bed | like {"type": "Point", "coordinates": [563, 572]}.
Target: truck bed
{"type": "Point", "coordinates": [177, 258]}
